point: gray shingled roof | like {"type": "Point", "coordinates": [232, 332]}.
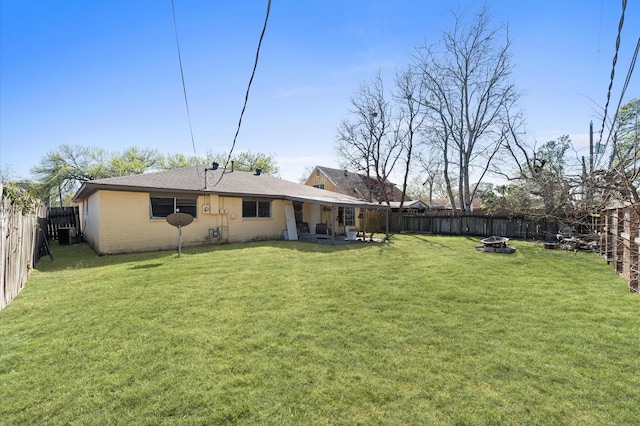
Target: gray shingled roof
{"type": "Point", "coordinates": [232, 183]}
{"type": "Point", "coordinates": [409, 204]}
{"type": "Point", "coordinates": [357, 185]}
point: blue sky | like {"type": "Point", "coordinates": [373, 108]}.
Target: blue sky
{"type": "Point", "coordinates": [105, 73]}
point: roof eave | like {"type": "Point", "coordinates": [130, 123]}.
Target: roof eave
{"type": "Point", "coordinates": [335, 203]}
{"type": "Point", "coordinates": [88, 188]}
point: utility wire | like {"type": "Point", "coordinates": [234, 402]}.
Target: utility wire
{"type": "Point", "coordinates": [613, 72]}
{"type": "Point", "coordinates": [246, 97]}
{"type": "Point", "coordinates": [624, 88]}
{"type": "Point", "coordinates": [184, 86]}
{"type": "Point", "coordinates": [630, 72]}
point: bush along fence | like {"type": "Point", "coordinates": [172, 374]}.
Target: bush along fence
{"type": "Point", "coordinates": [19, 248]}
{"type": "Point", "coordinates": [620, 240]}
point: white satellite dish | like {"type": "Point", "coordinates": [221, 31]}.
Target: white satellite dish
{"type": "Point", "coordinates": [179, 220]}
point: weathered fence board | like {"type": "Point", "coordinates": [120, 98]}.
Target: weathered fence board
{"type": "Point", "coordinates": [42, 246]}
{"type": "Point", "coordinates": [18, 239]}
{"type": "Point", "coordinates": [479, 224]}
{"type": "Point", "coordinates": [620, 241]}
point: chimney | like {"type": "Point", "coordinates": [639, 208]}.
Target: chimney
{"type": "Point", "coordinates": [345, 172]}
{"type": "Point", "coordinates": [232, 164]}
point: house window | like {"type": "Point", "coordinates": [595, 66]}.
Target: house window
{"type": "Point", "coordinates": [319, 185]}
{"type": "Point", "coordinates": [164, 206]}
{"type": "Point", "coordinates": [256, 208]}
{"type": "Point", "coordinates": [298, 211]}
{"type": "Point", "coordinates": [347, 216]}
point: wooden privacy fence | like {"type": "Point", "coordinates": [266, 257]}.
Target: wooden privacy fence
{"type": "Point", "coordinates": [620, 239]}
{"type": "Point", "coordinates": [62, 217]}
{"type": "Point", "coordinates": [471, 224]}
{"type": "Point", "coordinates": [18, 247]}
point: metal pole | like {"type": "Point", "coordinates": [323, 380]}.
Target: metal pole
{"type": "Point", "coordinates": [333, 225]}
{"type": "Point", "coordinates": [364, 225]}
{"type": "Point", "coordinates": [590, 147]}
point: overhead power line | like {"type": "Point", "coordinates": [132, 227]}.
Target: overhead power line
{"type": "Point", "coordinates": [184, 86]}
{"type": "Point", "coordinates": [613, 72]}
{"type": "Point", "coordinates": [246, 97]}
{"type": "Point", "coordinates": [624, 88]}
{"type": "Point", "coordinates": [630, 72]}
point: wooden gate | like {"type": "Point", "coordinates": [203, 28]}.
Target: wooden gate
{"type": "Point", "coordinates": [62, 217]}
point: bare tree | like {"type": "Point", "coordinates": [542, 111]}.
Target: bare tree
{"type": "Point", "coordinates": [550, 184]}
{"type": "Point", "coordinates": [411, 117]}
{"type": "Point", "coordinates": [433, 177]}
{"type": "Point", "coordinates": [468, 93]}
{"type": "Point", "coordinates": [6, 174]}
{"type": "Point", "coordinates": [624, 164]}
{"type": "Point", "coordinates": [372, 141]}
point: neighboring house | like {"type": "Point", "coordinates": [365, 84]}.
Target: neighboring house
{"type": "Point", "coordinates": [444, 205]}
{"type": "Point", "coordinates": [128, 213]}
{"type": "Point", "coordinates": [415, 207]}
{"type": "Point", "coordinates": [359, 186]}
{"type": "Point", "coordinates": [353, 184]}
{"type": "Point", "coordinates": [439, 204]}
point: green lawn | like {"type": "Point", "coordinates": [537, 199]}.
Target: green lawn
{"type": "Point", "coordinates": [421, 330]}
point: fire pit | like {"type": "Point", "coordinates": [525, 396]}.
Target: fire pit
{"type": "Point", "coordinates": [495, 244]}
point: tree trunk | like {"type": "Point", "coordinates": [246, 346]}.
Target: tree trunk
{"type": "Point", "coordinates": [460, 183]}
{"type": "Point", "coordinates": [446, 176]}
{"type": "Point", "coordinates": [467, 189]}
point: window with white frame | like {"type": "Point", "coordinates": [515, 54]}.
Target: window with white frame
{"type": "Point", "coordinates": [349, 216]}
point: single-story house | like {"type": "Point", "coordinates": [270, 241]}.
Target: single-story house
{"type": "Point", "coordinates": [444, 205]}
{"type": "Point", "coordinates": [128, 213]}
{"type": "Point", "coordinates": [417, 207]}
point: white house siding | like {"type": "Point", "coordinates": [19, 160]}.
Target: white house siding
{"type": "Point", "coordinates": [89, 219]}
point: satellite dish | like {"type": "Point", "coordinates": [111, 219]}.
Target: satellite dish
{"type": "Point", "coordinates": [179, 220]}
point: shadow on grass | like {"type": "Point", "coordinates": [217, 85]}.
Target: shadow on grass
{"type": "Point", "coordinates": [81, 256]}
{"type": "Point", "coordinates": [431, 242]}
{"type": "Point", "coordinates": [146, 266]}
